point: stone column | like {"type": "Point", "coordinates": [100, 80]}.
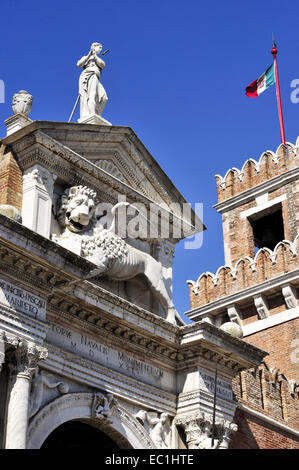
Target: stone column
{"type": "Point", "coordinates": [198, 431]}
{"type": "Point", "coordinates": [21, 362]}
{"type": "Point", "coordinates": [38, 184]}
{"type": "Point", "coordinates": [2, 354]}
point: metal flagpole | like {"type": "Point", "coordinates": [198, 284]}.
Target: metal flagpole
{"type": "Point", "coordinates": [274, 52]}
{"type": "Point", "coordinates": [214, 409]}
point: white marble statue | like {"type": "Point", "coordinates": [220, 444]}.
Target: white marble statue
{"type": "Point", "coordinates": [93, 97]}
{"type": "Point", "coordinates": [157, 426]}
{"type": "Point", "coordinates": [113, 256]}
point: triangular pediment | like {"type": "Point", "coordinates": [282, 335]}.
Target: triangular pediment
{"type": "Point", "coordinates": [118, 151]}
{"type": "Point", "coordinates": [113, 155]}
{"type": "Point", "coordinates": [111, 167]}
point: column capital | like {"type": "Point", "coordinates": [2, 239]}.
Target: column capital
{"type": "Point", "coordinates": [23, 361]}
{"type": "Point", "coordinates": [191, 425]}
{"type": "Point", "coordinates": [227, 429]}
{"type": "Point", "coordinates": [39, 176]}
{"type": "Point", "coordinates": [198, 431]}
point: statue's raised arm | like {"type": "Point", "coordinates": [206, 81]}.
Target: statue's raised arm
{"type": "Point", "coordinates": [93, 97]}
{"type": "Point", "coordinates": [82, 61]}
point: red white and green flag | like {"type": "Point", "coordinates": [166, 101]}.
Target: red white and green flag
{"type": "Point", "coordinates": [261, 84]}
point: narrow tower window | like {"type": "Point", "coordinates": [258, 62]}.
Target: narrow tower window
{"type": "Point", "coordinates": [267, 227]}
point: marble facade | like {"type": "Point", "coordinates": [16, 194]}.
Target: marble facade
{"type": "Point", "coordinates": [96, 350]}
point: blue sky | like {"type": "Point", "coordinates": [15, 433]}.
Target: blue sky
{"type": "Point", "coordinates": [176, 74]}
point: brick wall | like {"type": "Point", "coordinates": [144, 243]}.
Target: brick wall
{"type": "Point", "coordinates": [11, 183]}
{"type": "Point", "coordinates": [254, 433]}
{"type": "Point", "coordinates": [282, 344]}
{"type": "Point", "coordinates": [238, 232]}
{"type": "Point", "coordinates": [269, 393]}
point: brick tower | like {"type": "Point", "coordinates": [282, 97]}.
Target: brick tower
{"type": "Point", "coordinates": [258, 288]}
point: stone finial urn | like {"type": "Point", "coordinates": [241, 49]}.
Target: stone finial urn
{"type": "Point", "coordinates": [233, 329]}
{"type": "Point", "coordinates": [22, 102]}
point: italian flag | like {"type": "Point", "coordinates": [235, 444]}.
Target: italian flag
{"type": "Point", "coordinates": [261, 84]}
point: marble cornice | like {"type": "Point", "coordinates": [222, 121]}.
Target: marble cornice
{"type": "Point", "coordinates": [157, 325]}
{"type": "Point", "coordinates": [37, 261]}
{"type": "Point", "coordinates": [206, 332]}
{"type": "Point", "coordinates": [149, 168]}
{"type": "Point", "coordinates": [19, 266]}
{"type": "Point", "coordinates": [113, 330]}
{"type": "Point", "coordinates": [204, 341]}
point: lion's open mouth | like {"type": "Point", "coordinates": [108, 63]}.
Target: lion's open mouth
{"type": "Point", "coordinates": [74, 224]}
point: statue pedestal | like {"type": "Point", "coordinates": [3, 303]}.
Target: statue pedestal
{"type": "Point", "coordinates": [95, 119]}
{"type": "Point", "coordinates": [16, 122]}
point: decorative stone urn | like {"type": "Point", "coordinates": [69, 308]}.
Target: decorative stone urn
{"type": "Point", "coordinates": [11, 212]}
{"type": "Point", "coordinates": [233, 329]}
{"type": "Point", "coordinates": [22, 103]}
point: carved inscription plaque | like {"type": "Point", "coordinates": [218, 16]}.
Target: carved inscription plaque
{"type": "Point", "coordinates": [22, 300]}
{"type": "Point", "coordinates": [108, 356]}
{"type": "Point", "coordinates": [207, 383]}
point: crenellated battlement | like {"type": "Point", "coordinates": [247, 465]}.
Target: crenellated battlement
{"type": "Point", "coordinates": [270, 165]}
{"type": "Point", "coordinates": [246, 272]}
{"type": "Point", "coordinates": [268, 390]}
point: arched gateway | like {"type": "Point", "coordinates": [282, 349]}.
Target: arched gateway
{"type": "Point", "coordinates": [78, 435]}
{"type": "Point", "coordinates": [73, 412]}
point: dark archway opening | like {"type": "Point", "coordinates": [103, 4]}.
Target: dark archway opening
{"type": "Point", "coordinates": [77, 435]}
